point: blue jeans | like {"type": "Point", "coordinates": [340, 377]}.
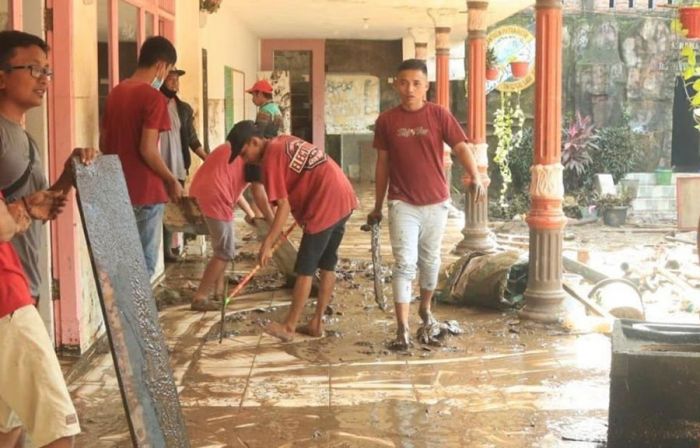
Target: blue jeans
{"type": "Point", "coordinates": [149, 220]}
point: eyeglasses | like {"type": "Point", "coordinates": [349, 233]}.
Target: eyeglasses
{"type": "Point", "coordinates": [35, 70]}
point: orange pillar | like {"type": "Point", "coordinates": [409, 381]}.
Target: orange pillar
{"type": "Point", "coordinates": [476, 232]}
{"type": "Point", "coordinates": [544, 293]}
{"type": "Point", "coordinates": [442, 66]}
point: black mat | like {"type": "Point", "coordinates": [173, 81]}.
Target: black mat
{"type": "Point", "coordinates": [138, 348]}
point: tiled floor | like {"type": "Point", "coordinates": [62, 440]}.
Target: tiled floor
{"type": "Point", "coordinates": [503, 383]}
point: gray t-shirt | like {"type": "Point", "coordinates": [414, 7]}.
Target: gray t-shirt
{"type": "Point", "coordinates": [14, 158]}
{"type": "Point", "coordinates": [171, 144]}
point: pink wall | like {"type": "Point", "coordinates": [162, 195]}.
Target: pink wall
{"type": "Point", "coordinates": [61, 141]}
{"type": "Point", "coordinates": [318, 76]}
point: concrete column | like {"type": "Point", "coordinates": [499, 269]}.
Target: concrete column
{"type": "Point", "coordinates": [544, 293]}
{"type": "Point", "coordinates": [476, 233]}
{"type": "Point", "coordinates": [420, 40]}
{"type": "Point", "coordinates": [442, 66]}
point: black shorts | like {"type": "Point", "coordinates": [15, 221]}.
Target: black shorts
{"type": "Point", "coordinates": [320, 250]}
{"type": "Point", "coordinates": [252, 173]}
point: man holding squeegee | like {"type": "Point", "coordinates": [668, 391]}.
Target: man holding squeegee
{"type": "Point", "coordinates": [302, 180]}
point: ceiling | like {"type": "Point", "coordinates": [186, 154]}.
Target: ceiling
{"type": "Point", "coordinates": [345, 19]}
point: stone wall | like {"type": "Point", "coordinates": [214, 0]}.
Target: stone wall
{"type": "Point", "coordinates": [617, 65]}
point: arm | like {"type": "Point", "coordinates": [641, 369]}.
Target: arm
{"type": "Point", "coordinates": [66, 180]}
{"type": "Point", "coordinates": [466, 158]}
{"type": "Point", "coordinates": [243, 205]}
{"type": "Point", "coordinates": [149, 152]}
{"type": "Point", "coordinates": [281, 216]}
{"type": "Point", "coordinates": [260, 197]}
{"type": "Point", "coordinates": [200, 152]}
{"type": "Point", "coordinates": [381, 183]}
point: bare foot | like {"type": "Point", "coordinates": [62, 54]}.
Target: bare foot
{"type": "Point", "coordinates": [311, 329]}
{"type": "Point", "coordinates": [402, 341]}
{"type": "Point", "coordinates": [279, 331]}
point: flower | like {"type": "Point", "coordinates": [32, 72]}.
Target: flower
{"type": "Point", "coordinates": [210, 6]}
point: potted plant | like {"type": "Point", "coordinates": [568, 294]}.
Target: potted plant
{"type": "Point", "coordinates": [578, 142]}
{"type": "Point", "coordinates": [519, 68]}
{"type": "Point", "coordinates": [491, 64]}
{"type": "Point", "coordinates": [689, 17]}
{"type": "Point", "coordinates": [613, 208]}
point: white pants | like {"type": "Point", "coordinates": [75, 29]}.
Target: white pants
{"type": "Point", "coordinates": [416, 237]}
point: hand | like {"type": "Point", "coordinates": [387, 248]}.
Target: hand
{"type": "Point", "coordinates": [250, 220]}
{"type": "Point", "coordinates": [175, 191]}
{"type": "Point", "coordinates": [374, 217]}
{"type": "Point", "coordinates": [265, 254]}
{"type": "Point", "coordinates": [45, 204]}
{"type": "Point", "coordinates": [86, 155]}
{"type": "Point", "coordinates": [479, 191]}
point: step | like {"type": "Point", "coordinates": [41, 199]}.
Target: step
{"type": "Point", "coordinates": [647, 178]}
{"type": "Point", "coordinates": [661, 205]}
{"type": "Point", "coordinates": [657, 192]}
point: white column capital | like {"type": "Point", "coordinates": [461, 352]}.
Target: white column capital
{"type": "Point", "coordinates": [480, 151]}
{"type": "Point", "coordinates": [547, 181]}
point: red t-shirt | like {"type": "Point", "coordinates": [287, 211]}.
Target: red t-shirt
{"type": "Point", "coordinates": [414, 140]}
{"type": "Point", "coordinates": [130, 107]}
{"type": "Point", "coordinates": [14, 288]}
{"type": "Point", "coordinates": [217, 184]}
{"type": "Point", "coordinates": [317, 190]}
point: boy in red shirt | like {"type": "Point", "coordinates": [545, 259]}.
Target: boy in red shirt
{"type": "Point", "coordinates": [218, 185]}
{"type": "Point", "coordinates": [135, 115]}
{"type": "Point", "coordinates": [301, 179]}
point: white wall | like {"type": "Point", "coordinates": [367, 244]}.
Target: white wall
{"type": "Point", "coordinates": [228, 41]}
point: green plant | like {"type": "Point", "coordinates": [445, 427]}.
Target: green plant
{"type": "Point", "coordinates": [612, 200]}
{"type": "Point", "coordinates": [520, 161]}
{"type": "Point", "coordinates": [579, 139]}
{"type": "Point", "coordinates": [617, 153]}
{"type": "Point", "coordinates": [491, 60]}
{"type": "Point", "coordinates": [506, 119]}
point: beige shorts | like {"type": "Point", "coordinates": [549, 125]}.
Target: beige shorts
{"type": "Point", "coordinates": [33, 393]}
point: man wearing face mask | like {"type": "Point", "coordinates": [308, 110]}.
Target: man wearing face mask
{"type": "Point", "coordinates": [135, 115]}
{"type": "Point", "coordinates": [175, 144]}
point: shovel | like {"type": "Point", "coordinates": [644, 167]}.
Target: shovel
{"type": "Point", "coordinates": [376, 265]}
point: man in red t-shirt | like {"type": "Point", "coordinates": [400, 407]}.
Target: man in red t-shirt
{"type": "Point", "coordinates": [135, 115]}
{"type": "Point", "coordinates": [301, 179]}
{"type": "Point", "coordinates": [409, 141]}
{"type": "Point", "coordinates": [28, 363]}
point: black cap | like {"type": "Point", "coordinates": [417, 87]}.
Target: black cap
{"type": "Point", "coordinates": [240, 134]}
{"type": "Point", "coordinates": [177, 71]}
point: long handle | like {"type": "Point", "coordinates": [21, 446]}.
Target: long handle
{"type": "Point", "coordinates": [250, 275]}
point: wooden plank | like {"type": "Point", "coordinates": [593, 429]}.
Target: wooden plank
{"type": "Point", "coordinates": [138, 349]}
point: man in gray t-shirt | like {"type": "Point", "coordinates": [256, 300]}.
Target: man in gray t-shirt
{"type": "Point", "coordinates": [21, 173]}
{"type": "Point", "coordinates": [15, 147]}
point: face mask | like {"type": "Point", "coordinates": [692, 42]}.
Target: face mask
{"type": "Point", "coordinates": [167, 92]}
{"type": "Point", "coordinates": [156, 83]}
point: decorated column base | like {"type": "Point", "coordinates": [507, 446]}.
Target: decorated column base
{"type": "Point", "coordinates": [544, 294]}
{"type": "Point", "coordinates": [477, 235]}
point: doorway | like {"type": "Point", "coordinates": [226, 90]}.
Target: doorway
{"type": "Point", "coordinates": [298, 63]}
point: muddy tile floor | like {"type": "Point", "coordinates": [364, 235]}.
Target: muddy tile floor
{"type": "Point", "coordinates": [502, 383]}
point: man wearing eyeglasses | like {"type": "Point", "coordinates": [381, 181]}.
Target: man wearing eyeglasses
{"type": "Point", "coordinates": [28, 365]}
